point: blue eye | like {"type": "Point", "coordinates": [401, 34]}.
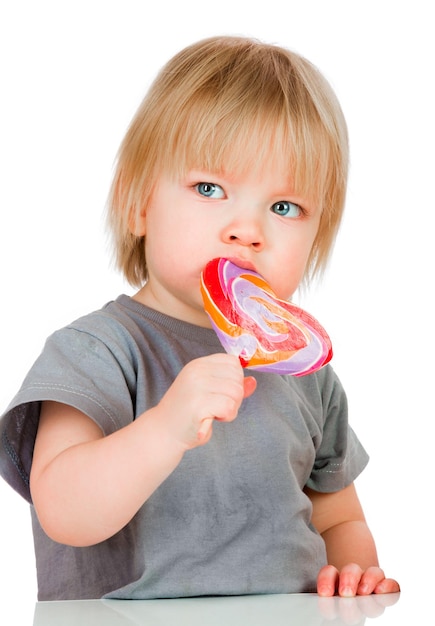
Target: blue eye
{"type": "Point", "coordinates": [210, 190]}
{"type": "Point", "coordinates": [286, 209]}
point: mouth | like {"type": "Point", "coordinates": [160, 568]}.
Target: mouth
{"type": "Point", "coordinates": [243, 263]}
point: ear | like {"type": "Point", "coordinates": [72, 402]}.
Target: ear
{"type": "Point", "coordinates": [137, 221]}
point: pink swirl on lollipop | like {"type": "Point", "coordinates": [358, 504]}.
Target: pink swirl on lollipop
{"type": "Point", "coordinates": [267, 334]}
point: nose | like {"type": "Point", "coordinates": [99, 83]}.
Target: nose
{"type": "Point", "coordinates": [245, 232]}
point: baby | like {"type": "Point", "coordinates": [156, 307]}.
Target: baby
{"type": "Point", "coordinates": [155, 467]}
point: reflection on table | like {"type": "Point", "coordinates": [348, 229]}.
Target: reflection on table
{"type": "Point", "coordinates": [268, 610]}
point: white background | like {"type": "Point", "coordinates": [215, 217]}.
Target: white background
{"type": "Point", "coordinates": [72, 75]}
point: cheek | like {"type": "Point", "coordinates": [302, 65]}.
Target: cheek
{"type": "Point", "coordinates": [174, 251]}
{"type": "Point", "coordinates": [160, 250]}
{"type": "Point", "coordinates": [162, 227]}
{"type": "Point", "coordinates": [287, 290]}
{"type": "Point", "coordinates": [295, 261]}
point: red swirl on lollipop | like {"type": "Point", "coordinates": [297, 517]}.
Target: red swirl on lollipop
{"type": "Point", "coordinates": [266, 333]}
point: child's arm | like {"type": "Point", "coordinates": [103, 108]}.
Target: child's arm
{"type": "Point", "coordinates": [353, 562]}
{"type": "Point", "coordinates": [86, 487]}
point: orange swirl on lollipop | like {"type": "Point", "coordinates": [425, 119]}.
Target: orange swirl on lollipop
{"type": "Point", "coordinates": [266, 333]}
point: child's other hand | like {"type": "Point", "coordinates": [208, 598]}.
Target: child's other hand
{"type": "Point", "coordinates": [207, 389]}
{"type": "Point", "coordinates": [351, 581]}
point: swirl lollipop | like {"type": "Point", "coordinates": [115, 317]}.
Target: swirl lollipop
{"type": "Point", "coordinates": [267, 334]}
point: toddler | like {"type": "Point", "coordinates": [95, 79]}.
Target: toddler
{"type": "Point", "coordinates": [154, 465]}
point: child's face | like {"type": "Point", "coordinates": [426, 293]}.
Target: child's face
{"type": "Point", "coordinates": [254, 220]}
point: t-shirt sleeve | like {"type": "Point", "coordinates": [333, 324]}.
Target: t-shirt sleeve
{"type": "Point", "coordinates": [76, 368]}
{"type": "Point", "coordinates": [340, 456]}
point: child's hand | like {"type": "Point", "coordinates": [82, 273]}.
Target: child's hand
{"type": "Point", "coordinates": [354, 581]}
{"type": "Point", "coordinates": [207, 389]}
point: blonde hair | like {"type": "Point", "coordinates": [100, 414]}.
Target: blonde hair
{"type": "Point", "coordinates": [222, 104]}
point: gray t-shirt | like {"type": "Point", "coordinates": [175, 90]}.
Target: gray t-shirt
{"type": "Point", "coordinates": [232, 518]}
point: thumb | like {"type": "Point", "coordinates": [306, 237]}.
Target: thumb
{"type": "Point", "coordinates": [250, 385]}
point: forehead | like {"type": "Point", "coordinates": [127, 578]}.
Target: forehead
{"type": "Point", "coordinates": [273, 169]}
{"type": "Point", "coordinates": [235, 146]}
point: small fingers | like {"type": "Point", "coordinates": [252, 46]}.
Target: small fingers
{"type": "Point", "coordinates": [369, 580]}
{"type": "Point", "coordinates": [353, 581]}
{"type": "Point", "coordinates": [327, 581]}
{"type": "Point", "coordinates": [388, 585]}
{"type": "Point", "coordinates": [349, 580]}
{"type": "Point", "coordinates": [345, 582]}
{"type": "Point", "coordinates": [250, 385]}
{"type": "Point", "coordinates": [373, 581]}
{"type": "Point", "coordinates": [205, 431]}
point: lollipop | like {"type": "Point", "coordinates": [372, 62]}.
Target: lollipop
{"type": "Point", "coordinates": [266, 333]}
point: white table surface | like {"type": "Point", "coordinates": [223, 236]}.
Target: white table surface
{"type": "Point", "coordinates": [267, 610]}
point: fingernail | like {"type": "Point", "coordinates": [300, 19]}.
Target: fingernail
{"type": "Point", "coordinates": [347, 592]}
{"type": "Point", "coordinates": [324, 591]}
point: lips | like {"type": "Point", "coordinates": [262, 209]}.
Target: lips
{"type": "Point", "coordinates": [242, 263]}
